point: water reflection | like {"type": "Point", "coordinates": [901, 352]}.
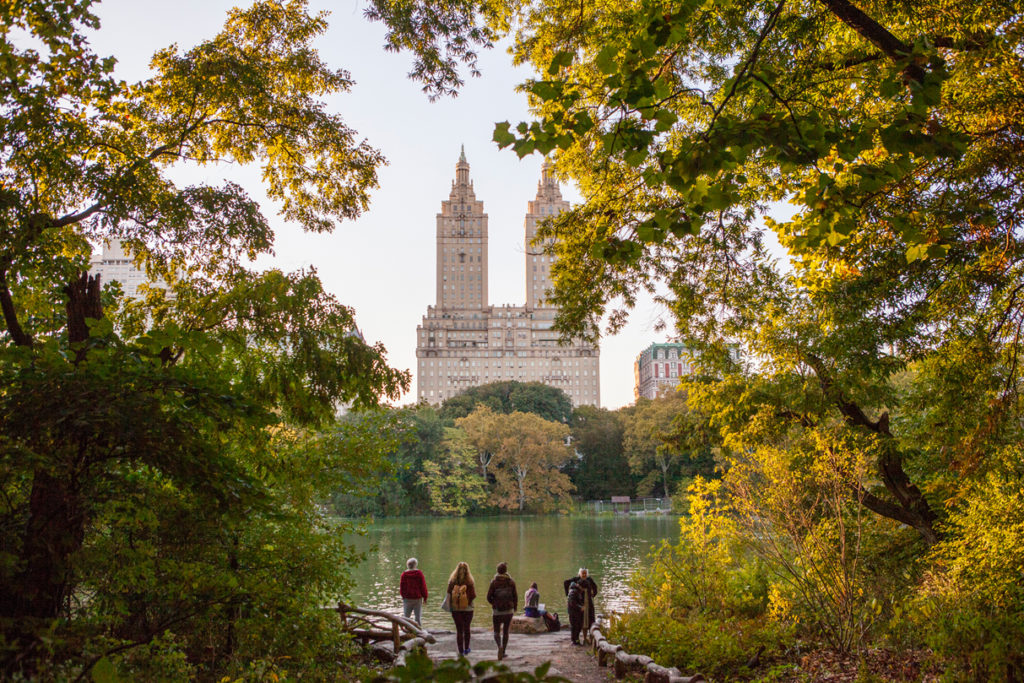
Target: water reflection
{"type": "Point", "coordinates": [542, 549]}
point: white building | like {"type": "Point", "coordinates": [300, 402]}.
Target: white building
{"type": "Point", "coordinates": [115, 264]}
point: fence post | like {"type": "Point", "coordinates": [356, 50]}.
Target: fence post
{"type": "Point", "coordinates": [397, 638]}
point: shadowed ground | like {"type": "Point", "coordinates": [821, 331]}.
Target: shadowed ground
{"type": "Point", "coordinates": [527, 652]}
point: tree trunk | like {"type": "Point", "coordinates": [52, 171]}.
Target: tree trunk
{"type": "Point", "coordinates": [55, 526]}
{"type": "Point", "coordinates": [909, 506]}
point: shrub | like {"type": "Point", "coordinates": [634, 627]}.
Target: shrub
{"type": "Point", "coordinates": [970, 608]}
{"type": "Point", "coordinates": [712, 646]}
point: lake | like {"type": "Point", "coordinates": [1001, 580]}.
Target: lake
{"type": "Point", "coordinates": [545, 549]}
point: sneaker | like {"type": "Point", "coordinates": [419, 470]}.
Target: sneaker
{"type": "Point", "coordinates": [467, 651]}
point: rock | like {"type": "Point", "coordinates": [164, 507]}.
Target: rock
{"type": "Point", "coordinates": [521, 624]}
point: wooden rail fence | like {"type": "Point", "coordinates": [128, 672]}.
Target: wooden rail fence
{"type": "Point", "coordinates": [610, 654]}
{"type": "Point", "coordinates": [374, 626]}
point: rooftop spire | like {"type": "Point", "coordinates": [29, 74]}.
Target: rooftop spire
{"type": "Point", "coordinates": [462, 168]}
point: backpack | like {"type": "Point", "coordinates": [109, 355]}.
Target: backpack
{"type": "Point", "coordinates": [460, 598]}
{"type": "Point", "coordinates": [552, 622]}
{"type": "Point", "coordinates": [576, 594]}
{"type": "Point", "coordinates": [504, 597]}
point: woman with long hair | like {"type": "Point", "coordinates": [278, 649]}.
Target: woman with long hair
{"type": "Point", "coordinates": [461, 593]}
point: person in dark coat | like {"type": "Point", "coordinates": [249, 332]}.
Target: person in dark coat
{"type": "Point", "coordinates": [580, 591]}
{"type": "Point", "coordinates": [504, 600]}
{"type": "Point", "coordinates": [413, 589]}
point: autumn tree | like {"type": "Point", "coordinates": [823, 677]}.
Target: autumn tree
{"type": "Point", "coordinates": [890, 128]}
{"type": "Point", "coordinates": [527, 454]}
{"type": "Point", "coordinates": [481, 427]}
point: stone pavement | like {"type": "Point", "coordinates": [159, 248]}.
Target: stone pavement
{"type": "Point", "coordinates": [526, 652]}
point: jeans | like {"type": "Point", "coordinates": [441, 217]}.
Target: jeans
{"type": "Point", "coordinates": [414, 606]}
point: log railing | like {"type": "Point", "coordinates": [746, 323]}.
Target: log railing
{"type": "Point", "coordinates": [610, 654]}
{"type": "Point", "coordinates": [373, 626]}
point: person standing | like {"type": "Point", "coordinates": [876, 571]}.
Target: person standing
{"type": "Point", "coordinates": [413, 589]}
{"type": "Point", "coordinates": [580, 591]}
{"type": "Point", "coordinates": [504, 599]}
{"type": "Point", "coordinates": [461, 593]}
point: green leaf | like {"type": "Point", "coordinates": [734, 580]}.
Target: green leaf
{"type": "Point", "coordinates": [560, 60]}
{"type": "Point", "coordinates": [502, 135]}
{"type": "Point", "coordinates": [104, 671]}
{"type": "Point", "coordinates": [606, 61]}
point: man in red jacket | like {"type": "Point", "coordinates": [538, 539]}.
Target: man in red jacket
{"type": "Point", "coordinates": [413, 589]}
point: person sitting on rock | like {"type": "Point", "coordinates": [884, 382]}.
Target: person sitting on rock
{"type": "Point", "coordinates": [532, 600]}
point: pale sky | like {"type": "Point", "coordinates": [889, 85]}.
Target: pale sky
{"type": "Point", "coordinates": [383, 264]}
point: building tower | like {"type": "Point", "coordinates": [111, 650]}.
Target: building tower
{"type": "Point", "coordinates": [548, 203]}
{"type": "Point", "coordinates": [462, 246]}
{"type": "Point", "coordinates": [464, 341]}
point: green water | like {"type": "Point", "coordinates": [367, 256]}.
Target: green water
{"type": "Point", "coordinates": [544, 549]}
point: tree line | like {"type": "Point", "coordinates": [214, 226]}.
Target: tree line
{"type": "Point", "coordinates": [522, 447]}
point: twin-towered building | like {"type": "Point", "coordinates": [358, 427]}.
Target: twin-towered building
{"type": "Point", "coordinates": [465, 341]}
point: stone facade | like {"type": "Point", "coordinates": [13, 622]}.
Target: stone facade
{"type": "Point", "coordinates": [463, 341]}
{"type": "Point", "coordinates": [658, 369]}
{"type": "Point", "coordinates": [115, 264]}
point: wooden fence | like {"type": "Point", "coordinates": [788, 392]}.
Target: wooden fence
{"type": "Point", "coordinates": [623, 663]}
{"type": "Point", "coordinates": [627, 505]}
{"type": "Point", "coordinates": [373, 626]}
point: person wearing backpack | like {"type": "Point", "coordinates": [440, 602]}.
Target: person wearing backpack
{"type": "Point", "coordinates": [461, 593]}
{"type": "Point", "coordinates": [504, 599]}
{"type": "Point", "coordinates": [580, 591]}
{"type": "Point", "coordinates": [413, 589]}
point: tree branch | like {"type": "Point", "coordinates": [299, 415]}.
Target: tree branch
{"type": "Point", "coordinates": [869, 29]}
{"type": "Point", "coordinates": [18, 335]}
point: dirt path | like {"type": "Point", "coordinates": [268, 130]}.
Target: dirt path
{"type": "Point", "coordinates": [527, 652]}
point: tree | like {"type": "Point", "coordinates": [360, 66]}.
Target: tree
{"type": "Point", "coordinates": [890, 127]}
{"type": "Point", "coordinates": [600, 469]}
{"type": "Point", "coordinates": [450, 477]}
{"type": "Point", "coordinates": [185, 395]}
{"type": "Point", "coordinates": [549, 403]}
{"type": "Point", "coordinates": [417, 433]}
{"type": "Point", "coordinates": [527, 453]}
{"type": "Point", "coordinates": [481, 429]}
{"type": "Point", "coordinates": [654, 443]}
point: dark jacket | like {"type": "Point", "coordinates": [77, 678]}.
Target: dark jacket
{"type": "Point", "coordinates": [413, 585]}
{"type": "Point", "coordinates": [470, 593]}
{"type": "Point", "coordinates": [577, 589]}
{"type": "Point", "coordinates": [499, 580]}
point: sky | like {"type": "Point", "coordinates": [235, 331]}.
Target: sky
{"type": "Point", "coordinates": [383, 263]}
